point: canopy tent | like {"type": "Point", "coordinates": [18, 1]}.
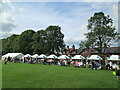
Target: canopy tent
{"type": "Point", "coordinates": [114, 58]}
{"type": "Point", "coordinates": [13, 55]}
{"type": "Point", "coordinates": [27, 55]}
{"type": "Point", "coordinates": [78, 57]}
{"type": "Point", "coordinates": [52, 56]}
{"type": "Point", "coordinates": [35, 56]}
{"type": "Point", "coordinates": [94, 57]}
{"type": "Point", "coordinates": [42, 56]}
{"type": "Point", "coordinates": [63, 57]}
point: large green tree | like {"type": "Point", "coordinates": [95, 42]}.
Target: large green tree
{"type": "Point", "coordinates": [101, 31]}
{"type": "Point", "coordinates": [54, 39]}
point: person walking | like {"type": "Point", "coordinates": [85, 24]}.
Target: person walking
{"type": "Point", "coordinates": [93, 65]}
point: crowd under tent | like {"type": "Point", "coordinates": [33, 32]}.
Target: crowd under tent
{"type": "Point", "coordinates": [114, 58]}
{"type": "Point", "coordinates": [94, 57]}
{"type": "Point", "coordinates": [64, 57]}
{"type": "Point", "coordinates": [78, 57]}
{"type": "Point", "coordinates": [52, 56]}
{"type": "Point", "coordinates": [13, 55]}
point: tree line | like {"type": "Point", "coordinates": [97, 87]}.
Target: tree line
{"type": "Point", "coordinates": [101, 31]}
{"type": "Point", "coordinates": [45, 41]}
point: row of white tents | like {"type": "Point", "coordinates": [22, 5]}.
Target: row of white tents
{"type": "Point", "coordinates": [52, 56]}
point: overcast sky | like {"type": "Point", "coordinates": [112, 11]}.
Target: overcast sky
{"type": "Point", "coordinates": [71, 16]}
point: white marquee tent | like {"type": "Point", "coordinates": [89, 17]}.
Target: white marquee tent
{"type": "Point", "coordinates": [13, 55]}
{"type": "Point", "coordinates": [94, 57]}
{"type": "Point", "coordinates": [52, 56]}
{"type": "Point", "coordinates": [63, 57]}
{"type": "Point", "coordinates": [27, 55]}
{"type": "Point", "coordinates": [35, 56]}
{"type": "Point", "coordinates": [42, 56]}
{"type": "Point", "coordinates": [114, 58]}
{"type": "Point", "coordinates": [78, 57]}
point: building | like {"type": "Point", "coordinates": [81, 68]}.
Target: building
{"type": "Point", "coordinates": [71, 51]}
{"type": "Point", "coordinates": [87, 52]}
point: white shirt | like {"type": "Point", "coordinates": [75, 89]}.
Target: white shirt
{"type": "Point", "coordinates": [110, 63]}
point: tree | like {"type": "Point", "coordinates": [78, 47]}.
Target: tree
{"type": "Point", "coordinates": [54, 39]}
{"type": "Point", "coordinates": [35, 43]}
{"type": "Point", "coordinates": [8, 44]}
{"type": "Point", "coordinates": [45, 41]}
{"type": "Point", "coordinates": [25, 42]}
{"type": "Point", "coordinates": [88, 43]}
{"type": "Point", "coordinates": [101, 31]}
{"type": "Point", "coordinates": [44, 47]}
{"type": "Point", "coordinates": [83, 45]}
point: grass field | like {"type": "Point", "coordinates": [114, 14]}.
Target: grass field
{"type": "Point", "coordinates": [20, 75]}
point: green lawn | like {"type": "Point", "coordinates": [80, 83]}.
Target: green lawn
{"type": "Point", "coordinates": [20, 75]}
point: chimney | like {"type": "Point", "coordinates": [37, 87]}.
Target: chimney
{"type": "Point", "coordinates": [73, 47]}
{"type": "Point", "coordinates": [68, 47]}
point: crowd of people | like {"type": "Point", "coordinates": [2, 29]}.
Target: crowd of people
{"type": "Point", "coordinates": [93, 64]}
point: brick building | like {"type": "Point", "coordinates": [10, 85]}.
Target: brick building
{"type": "Point", "coordinates": [87, 52]}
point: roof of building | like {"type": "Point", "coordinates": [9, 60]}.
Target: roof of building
{"type": "Point", "coordinates": [112, 50]}
{"type": "Point", "coordinates": [91, 50]}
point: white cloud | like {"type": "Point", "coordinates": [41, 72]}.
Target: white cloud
{"type": "Point", "coordinates": [64, 0]}
{"type": "Point", "coordinates": [4, 34]}
{"type": "Point", "coordinates": [7, 22]}
{"type": "Point", "coordinates": [8, 5]}
{"type": "Point", "coordinates": [22, 9]}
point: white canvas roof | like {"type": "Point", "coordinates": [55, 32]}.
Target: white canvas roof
{"type": "Point", "coordinates": [13, 55]}
{"type": "Point", "coordinates": [78, 57]}
{"type": "Point", "coordinates": [42, 56]}
{"type": "Point", "coordinates": [114, 58]}
{"type": "Point", "coordinates": [63, 57]}
{"type": "Point", "coordinates": [27, 55]}
{"type": "Point", "coordinates": [94, 57]}
{"type": "Point", "coordinates": [52, 56]}
{"type": "Point", "coordinates": [35, 56]}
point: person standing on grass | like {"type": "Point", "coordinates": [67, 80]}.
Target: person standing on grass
{"type": "Point", "coordinates": [118, 72]}
{"type": "Point", "coordinates": [5, 61]}
{"type": "Point", "coordinates": [24, 60]}
{"type": "Point", "coordinates": [93, 65]}
{"type": "Point", "coordinates": [107, 66]}
{"type": "Point", "coordinates": [9, 59]}
{"type": "Point", "coordinates": [68, 63]}
{"type": "Point", "coordinates": [114, 67]}
{"type": "Point", "coordinates": [111, 65]}
{"type": "Point", "coordinates": [96, 65]}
